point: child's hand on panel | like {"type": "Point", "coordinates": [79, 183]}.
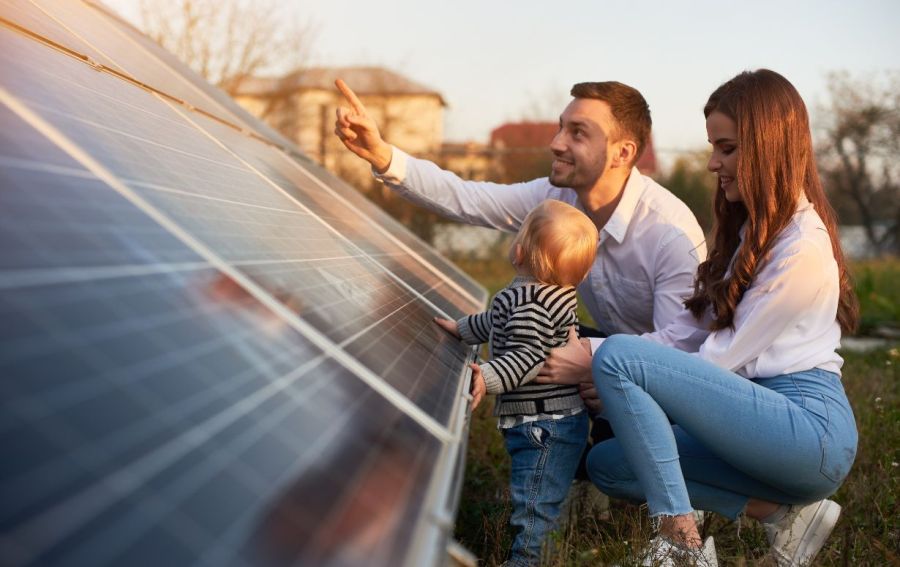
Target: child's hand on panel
{"type": "Point", "coordinates": [448, 325]}
{"type": "Point", "coordinates": [479, 388]}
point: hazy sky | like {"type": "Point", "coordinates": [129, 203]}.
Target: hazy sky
{"type": "Point", "coordinates": [498, 61]}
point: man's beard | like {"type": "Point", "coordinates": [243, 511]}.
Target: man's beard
{"type": "Point", "coordinates": [569, 179]}
{"type": "Point", "coordinates": [562, 180]}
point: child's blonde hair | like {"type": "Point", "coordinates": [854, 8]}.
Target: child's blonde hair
{"type": "Point", "coordinates": [558, 243]}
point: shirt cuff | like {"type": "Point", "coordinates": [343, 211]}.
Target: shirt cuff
{"type": "Point", "coordinates": [595, 343]}
{"type": "Point", "coordinates": [465, 332]}
{"type": "Point", "coordinates": [492, 381]}
{"type": "Point", "coordinates": [396, 171]}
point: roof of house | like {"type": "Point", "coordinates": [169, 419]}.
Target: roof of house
{"type": "Point", "coordinates": [363, 81]}
{"type": "Point", "coordinates": [523, 134]}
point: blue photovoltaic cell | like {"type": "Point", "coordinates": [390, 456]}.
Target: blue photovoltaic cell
{"type": "Point", "coordinates": [57, 215]}
{"type": "Point", "coordinates": [253, 225]}
{"type": "Point", "coordinates": [381, 219]}
{"type": "Point", "coordinates": [156, 410]}
{"type": "Point", "coordinates": [102, 374]}
{"type": "Point", "coordinates": [27, 15]}
{"type": "Point", "coordinates": [346, 219]}
{"type": "Point", "coordinates": [210, 408]}
{"type": "Point", "coordinates": [90, 26]}
{"type": "Point", "coordinates": [233, 111]}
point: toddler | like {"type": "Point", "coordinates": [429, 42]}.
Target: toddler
{"type": "Point", "coordinates": [544, 426]}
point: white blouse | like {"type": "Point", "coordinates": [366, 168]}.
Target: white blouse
{"type": "Point", "coordinates": [787, 319]}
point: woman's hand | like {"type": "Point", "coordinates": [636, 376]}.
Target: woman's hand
{"type": "Point", "coordinates": [448, 325]}
{"type": "Point", "coordinates": [568, 364]}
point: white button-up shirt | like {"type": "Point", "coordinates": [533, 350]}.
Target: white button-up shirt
{"type": "Point", "coordinates": [787, 320]}
{"type": "Point", "coordinates": [648, 252]}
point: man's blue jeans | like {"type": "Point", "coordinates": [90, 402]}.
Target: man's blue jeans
{"type": "Point", "coordinates": [544, 457]}
{"type": "Point", "coordinates": [787, 439]}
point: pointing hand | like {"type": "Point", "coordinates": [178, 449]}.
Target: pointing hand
{"type": "Point", "coordinates": [358, 131]}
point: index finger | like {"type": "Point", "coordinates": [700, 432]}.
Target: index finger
{"type": "Point", "coordinates": [350, 96]}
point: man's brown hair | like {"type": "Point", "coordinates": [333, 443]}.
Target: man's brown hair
{"type": "Point", "coordinates": [629, 109]}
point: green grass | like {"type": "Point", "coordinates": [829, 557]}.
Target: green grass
{"type": "Point", "coordinates": [878, 288]}
{"type": "Point", "coordinates": [868, 532]}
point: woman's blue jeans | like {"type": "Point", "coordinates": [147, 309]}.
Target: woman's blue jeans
{"type": "Point", "coordinates": [544, 455]}
{"type": "Point", "coordinates": [787, 439]}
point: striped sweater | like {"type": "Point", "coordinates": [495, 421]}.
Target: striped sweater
{"type": "Point", "coordinates": [526, 320]}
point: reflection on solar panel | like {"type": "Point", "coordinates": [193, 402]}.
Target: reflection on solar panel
{"type": "Point", "coordinates": [212, 351]}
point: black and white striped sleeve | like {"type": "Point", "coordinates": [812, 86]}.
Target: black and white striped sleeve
{"type": "Point", "coordinates": [475, 329]}
{"type": "Point", "coordinates": [529, 338]}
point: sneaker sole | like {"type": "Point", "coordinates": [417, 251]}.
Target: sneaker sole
{"type": "Point", "coordinates": [817, 531]}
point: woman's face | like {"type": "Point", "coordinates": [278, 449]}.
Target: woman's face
{"type": "Point", "coordinates": [722, 133]}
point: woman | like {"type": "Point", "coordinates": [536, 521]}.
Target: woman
{"type": "Point", "coordinates": [748, 372]}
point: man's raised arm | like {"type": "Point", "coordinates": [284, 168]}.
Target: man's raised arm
{"type": "Point", "coordinates": [424, 183]}
{"type": "Point", "coordinates": [358, 131]}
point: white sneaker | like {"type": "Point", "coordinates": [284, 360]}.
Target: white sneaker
{"type": "Point", "coordinates": [664, 553]}
{"type": "Point", "coordinates": [699, 517]}
{"type": "Point", "coordinates": [798, 537]}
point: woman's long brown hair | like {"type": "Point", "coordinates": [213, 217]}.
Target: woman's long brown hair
{"type": "Point", "coordinates": [775, 162]}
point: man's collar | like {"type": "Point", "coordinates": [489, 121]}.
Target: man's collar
{"type": "Point", "coordinates": [617, 225]}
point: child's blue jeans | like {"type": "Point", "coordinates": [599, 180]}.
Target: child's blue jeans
{"type": "Point", "coordinates": [545, 455]}
{"type": "Point", "coordinates": [788, 439]}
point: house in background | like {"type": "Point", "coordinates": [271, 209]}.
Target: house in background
{"type": "Point", "coordinates": [470, 160]}
{"type": "Point", "coordinates": [302, 106]}
{"type": "Point", "coordinates": [522, 150]}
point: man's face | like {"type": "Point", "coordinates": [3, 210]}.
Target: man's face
{"type": "Point", "coordinates": [580, 147]}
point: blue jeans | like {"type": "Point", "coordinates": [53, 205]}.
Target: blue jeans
{"type": "Point", "coordinates": [788, 439]}
{"type": "Point", "coordinates": [544, 457]}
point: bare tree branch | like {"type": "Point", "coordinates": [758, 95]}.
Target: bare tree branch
{"type": "Point", "coordinates": [860, 154]}
{"type": "Point", "coordinates": [228, 41]}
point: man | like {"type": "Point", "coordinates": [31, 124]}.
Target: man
{"type": "Point", "coordinates": [650, 242]}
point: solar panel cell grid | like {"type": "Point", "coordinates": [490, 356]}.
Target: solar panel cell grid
{"type": "Point", "coordinates": [248, 222]}
{"type": "Point", "coordinates": [27, 15]}
{"type": "Point", "coordinates": [343, 217]}
{"type": "Point", "coordinates": [207, 374]}
{"type": "Point", "coordinates": [387, 224]}
{"type": "Point", "coordinates": [104, 37]}
{"type": "Point", "coordinates": [158, 410]}
{"type": "Point", "coordinates": [234, 111]}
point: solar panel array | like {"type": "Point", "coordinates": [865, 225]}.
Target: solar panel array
{"type": "Point", "coordinates": [212, 351]}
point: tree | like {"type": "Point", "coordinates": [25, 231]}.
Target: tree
{"type": "Point", "coordinates": [228, 41]}
{"type": "Point", "coordinates": [691, 182]}
{"type": "Point", "coordinates": [859, 155]}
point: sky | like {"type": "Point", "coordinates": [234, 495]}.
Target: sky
{"type": "Point", "coordinates": [497, 61]}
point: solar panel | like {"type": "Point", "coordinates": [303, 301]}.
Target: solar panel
{"type": "Point", "coordinates": [213, 352]}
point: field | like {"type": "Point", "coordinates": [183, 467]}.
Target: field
{"type": "Point", "coordinates": [868, 532]}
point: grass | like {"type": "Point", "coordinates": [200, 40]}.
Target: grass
{"type": "Point", "coordinates": [868, 532]}
{"type": "Point", "coordinates": [878, 288]}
